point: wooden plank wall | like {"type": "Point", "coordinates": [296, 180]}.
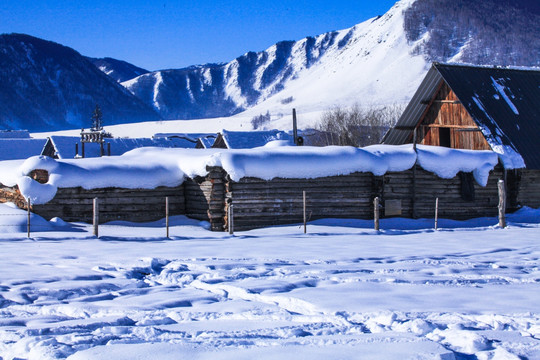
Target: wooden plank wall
{"type": "Point", "coordinates": [259, 203]}
{"type": "Point", "coordinates": [446, 111]}
{"type": "Point", "coordinates": [529, 188]}
{"type": "Point", "coordinates": [418, 190]}
{"type": "Point", "coordinates": [137, 205]}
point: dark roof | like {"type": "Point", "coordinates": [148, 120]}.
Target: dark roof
{"type": "Point", "coordinates": [64, 146]}
{"type": "Point", "coordinates": [13, 149]}
{"type": "Point", "coordinates": [505, 104]}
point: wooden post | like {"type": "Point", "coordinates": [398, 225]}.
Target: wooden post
{"type": "Point", "coordinates": [76, 149]}
{"type": "Point", "coordinates": [28, 221]}
{"type": "Point", "coordinates": [295, 129]}
{"type": "Point", "coordinates": [96, 217]}
{"type": "Point", "coordinates": [101, 152]}
{"type": "Point", "coordinates": [82, 149]}
{"type": "Point", "coordinates": [231, 221]}
{"type": "Point", "coordinates": [502, 204]}
{"type": "Point", "coordinates": [305, 217]}
{"type": "Point", "coordinates": [109, 149]}
{"type": "Point", "coordinates": [376, 212]}
{"type": "Point", "coordinates": [436, 212]}
{"type": "Point", "coordinates": [167, 215]}
{"type": "Point", "coordinates": [413, 193]}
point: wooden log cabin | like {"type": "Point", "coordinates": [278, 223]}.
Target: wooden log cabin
{"type": "Point", "coordinates": [257, 202]}
{"type": "Point", "coordinates": [480, 108]}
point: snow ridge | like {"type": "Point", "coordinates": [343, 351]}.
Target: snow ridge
{"type": "Point", "coordinates": [339, 67]}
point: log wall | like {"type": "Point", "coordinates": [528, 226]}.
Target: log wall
{"type": "Point", "coordinates": [137, 205]}
{"type": "Point", "coordinates": [259, 203]}
{"type": "Point", "coordinates": [417, 189]}
{"type": "Point", "coordinates": [529, 188]}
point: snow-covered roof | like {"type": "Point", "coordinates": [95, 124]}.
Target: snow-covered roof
{"type": "Point", "coordinates": [504, 103]}
{"type": "Point", "coordinates": [20, 148]}
{"type": "Point", "coordinates": [64, 146]}
{"type": "Point", "coordinates": [14, 134]}
{"type": "Point", "coordinates": [251, 139]}
{"type": "Point", "coordinates": [188, 136]}
{"type": "Point", "coordinates": [206, 142]}
{"type": "Point", "coordinates": [149, 168]}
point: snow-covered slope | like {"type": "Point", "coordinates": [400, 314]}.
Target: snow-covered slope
{"type": "Point", "coordinates": [375, 68]}
{"type": "Point", "coordinates": [46, 86]}
{"type": "Point", "coordinates": [379, 62]}
{"type": "Point", "coordinates": [117, 69]}
{"type": "Point", "coordinates": [364, 64]}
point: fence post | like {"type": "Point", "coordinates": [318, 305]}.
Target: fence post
{"type": "Point", "coordinates": [167, 215]}
{"type": "Point", "coordinates": [436, 212]}
{"type": "Point", "coordinates": [305, 217]}
{"type": "Point", "coordinates": [376, 212]}
{"type": "Point", "coordinates": [28, 221]}
{"type": "Point", "coordinates": [230, 218]}
{"type": "Point", "coordinates": [96, 217]}
{"type": "Point", "coordinates": [502, 203]}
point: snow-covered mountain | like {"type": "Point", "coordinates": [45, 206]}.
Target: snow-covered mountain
{"type": "Point", "coordinates": [48, 87]}
{"type": "Point", "coordinates": [378, 62]}
{"type": "Point", "coordinates": [117, 69]}
{"type": "Point", "coordinates": [45, 86]}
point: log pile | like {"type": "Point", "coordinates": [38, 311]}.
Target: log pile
{"type": "Point", "coordinates": [205, 198]}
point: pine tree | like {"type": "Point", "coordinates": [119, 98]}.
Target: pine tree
{"type": "Point", "coordinates": [97, 119]}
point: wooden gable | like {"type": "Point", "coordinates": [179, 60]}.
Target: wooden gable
{"type": "Point", "coordinates": [446, 122]}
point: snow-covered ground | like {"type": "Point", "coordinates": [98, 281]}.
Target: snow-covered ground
{"type": "Point", "coordinates": [467, 291]}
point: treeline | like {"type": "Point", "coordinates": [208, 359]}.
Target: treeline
{"type": "Point", "coordinates": [497, 32]}
{"type": "Point", "coordinates": [356, 125]}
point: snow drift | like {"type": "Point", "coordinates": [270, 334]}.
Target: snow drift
{"type": "Point", "coordinates": [148, 168]}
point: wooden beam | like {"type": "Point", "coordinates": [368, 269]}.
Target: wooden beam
{"type": "Point", "coordinates": [426, 110]}
{"type": "Point", "coordinates": [468, 127]}
{"type": "Point", "coordinates": [427, 102]}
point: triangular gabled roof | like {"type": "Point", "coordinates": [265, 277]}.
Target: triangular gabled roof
{"type": "Point", "coordinates": [249, 139]}
{"type": "Point", "coordinates": [504, 103]}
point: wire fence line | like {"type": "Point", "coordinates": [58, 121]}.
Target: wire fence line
{"type": "Point", "coordinates": [377, 206]}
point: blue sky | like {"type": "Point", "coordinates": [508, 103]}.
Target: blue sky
{"type": "Point", "coordinates": [162, 34]}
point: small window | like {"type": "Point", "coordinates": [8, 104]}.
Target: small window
{"type": "Point", "coordinates": [444, 137]}
{"type": "Point", "coordinates": [467, 186]}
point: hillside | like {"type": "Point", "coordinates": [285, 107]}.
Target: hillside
{"type": "Point", "coordinates": [487, 32]}
{"type": "Point", "coordinates": [47, 86]}
{"type": "Point", "coordinates": [378, 62]}
{"type": "Point", "coordinates": [117, 69]}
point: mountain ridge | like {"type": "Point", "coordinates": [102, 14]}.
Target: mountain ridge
{"type": "Point", "coordinates": [45, 86]}
{"type": "Point", "coordinates": [256, 81]}
{"type": "Point", "coordinates": [379, 62]}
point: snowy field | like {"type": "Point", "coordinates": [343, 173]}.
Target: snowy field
{"type": "Point", "coordinates": [467, 291]}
